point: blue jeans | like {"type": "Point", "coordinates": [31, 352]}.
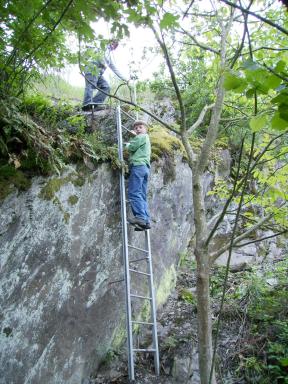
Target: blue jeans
{"type": "Point", "coordinates": [91, 82]}
{"type": "Point", "coordinates": [137, 191]}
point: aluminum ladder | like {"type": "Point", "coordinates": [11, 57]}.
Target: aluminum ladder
{"type": "Point", "coordinates": [131, 272]}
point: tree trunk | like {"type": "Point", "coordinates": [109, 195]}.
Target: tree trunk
{"type": "Point", "coordinates": [203, 295]}
{"type": "Point", "coordinates": [204, 317]}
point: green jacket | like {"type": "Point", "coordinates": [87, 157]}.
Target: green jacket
{"type": "Point", "coordinates": [139, 149]}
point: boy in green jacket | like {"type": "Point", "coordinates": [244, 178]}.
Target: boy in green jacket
{"type": "Point", "coordinates": [139, 149]}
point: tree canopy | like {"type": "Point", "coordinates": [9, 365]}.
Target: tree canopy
{"type": "Point", "coordinates": [227, 77]}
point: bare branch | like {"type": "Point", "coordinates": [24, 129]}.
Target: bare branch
{"type": "Point", "coordinates": [269, 48]}
{"type": "Point", "coordinates": [239, 50]}
{"type": "Point", "coordinates": [48, 34]}
{"type": "Point", "coordinates": [267, 21]}
{"type": "Point", "coordinates": [262, 239]}
{"type": "Point", "coordinates": [30, 22]}
{"type": "Point", "coordinates": [200, 119]}
{"type": "Point", "coordinates": [187, 10]}
{"type": "Point", "coordinates": [173, 77]}
{"type": "Point", "coordinates": [265, 149]}
{"type": "Point", "coordinates": [237, 109]}
{"type": "Point", "coordinates": [228, 201]}
{"type": "Point", "coordinates": [201, 45]}
{"type": "Point", "coordinates": [217, 109]}
{"type": "Point", "coordinates": [214, 256]}
{"type": "Point", "coordinates": [276, 73]}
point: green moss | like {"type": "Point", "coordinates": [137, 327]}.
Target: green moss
{"type": "Point", "coordinates": [66, 217]}
{"type": "Point", "coordinates": [163, 143]}
{"type": "Point", "coordinates": [119, 335]}
{"type": "Point", "coordinates": [187, 296]}
{"type": "Point", "coordinates": [73, 199]}
{"type": "Point", "coordinates": [222, 142]}
{"type": "Point", "coordinates": [53, 186]}
{"type": "Point", "coordinates": [79, 181]}
{"type": "Point", "coordinates": [11, 179]}
{"type": "Point", "coordinates": [167, 284]}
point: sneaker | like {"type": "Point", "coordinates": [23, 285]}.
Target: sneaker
{"type": "Point", "coordinates": [86, 107]}
{"type": "Point", "coordinates": [99, 107]}
{"type": "Point", "coordinates": [138, 228]}
{"type": "Point", "coordinates": [137, 221]}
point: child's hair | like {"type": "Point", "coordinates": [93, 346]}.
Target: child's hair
{"type": "Point", "coordinates": [140, 122]}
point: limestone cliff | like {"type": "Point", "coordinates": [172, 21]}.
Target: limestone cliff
{"type": "Point", "coordinates": [61, 309]}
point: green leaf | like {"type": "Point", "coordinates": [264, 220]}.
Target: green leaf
{"type": "Point", "coordinates": [134, 17]}
{"type": "Point", "coordinates": [250, 93]}
{"type": "Point", "coordinates": [272, 82]}
{"type": "Point", "coordinates": [278, 123]}
{"type": "Point", "coordinates": [262, 80]}
{"type": "Point", "coordinates": [280, 66]}
{"type": "Point", "coordinates": [284, 362]}
{"type": "Point", "coordinates": [234, 82]}
{"type": "Point", "coordinates": [257, 123]}
{"type": "Point", "coordinates": [283, 111]}
{"type": "Point", "coordinates": [251, 65]}
{"type": "Point", "coordinates": [282, 98]}
{"type": "Point", "coordinates": [169, 20]}
{"type": "Point", "coordinates": [150, 9]}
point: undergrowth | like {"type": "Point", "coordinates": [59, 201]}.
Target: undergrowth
{"type": "Point", "coordinates": [38, 137]}
{"type": "Point", "coordinates": [256, 309]}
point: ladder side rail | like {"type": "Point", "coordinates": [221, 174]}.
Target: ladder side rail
{"type": "Point", "coordinates": [153, 304]}
{"type": "Point", "coordinates": [125, 250]}
{"type": "Point", "coordinates": [135, 98]}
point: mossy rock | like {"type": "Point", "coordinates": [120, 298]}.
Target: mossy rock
{"type": "Point", "coordinates": [11, 179]}
{"type": "Point", "coordinates": [163, 143]}
{"type": "Point", "coordinates": [164, 146]}
{"type": "Point", "coordinates": [53, 186]}
{"type": "Point", "coordinates": [73, 199]}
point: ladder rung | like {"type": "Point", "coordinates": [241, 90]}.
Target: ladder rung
{"type": "Point", "coordinates": [136, 260]}
{"type": "Point", "coordinates": [140, 273]}
{"type": "Point", "coordinates": [138, 249]}
{"type": "Point", "coordinates": [141, 297]}
{"type": "Point", "coordinates": [127, 114]}
{"type": "Point", "coordinates": [116, 281]}
{"type": "Point", "coordinates": [141, 322]}
{"type": "Point", "coordinates": [144, 350]}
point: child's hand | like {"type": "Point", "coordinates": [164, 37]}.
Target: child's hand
{"type": "Point", "coordinates": [125, 154]}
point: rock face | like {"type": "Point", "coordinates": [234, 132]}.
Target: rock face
{"type": "Point", "coordinates": [61, 309]}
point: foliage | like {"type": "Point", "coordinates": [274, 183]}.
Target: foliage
{"type": "Point", "coordinates": [267, 310]}
{"type": "Point", "coordinates": [34, 35]}
{"type": "Point", "coordinates": [35, 139]}
{"type": "Point", "coordinates": [187, 296]}
{"type": "Point", "coordinates": [256, 306]}
{"type": "Point", "coordinates": [252, 78]}
{"type": "Point", "coordinates": [11, 179]}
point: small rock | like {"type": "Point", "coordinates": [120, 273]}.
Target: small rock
{"type": "Point", "coordinates": [182, 369]}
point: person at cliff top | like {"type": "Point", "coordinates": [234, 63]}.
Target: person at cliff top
{"type": "Point", "coordinates": [139, 149]}
{"type": "Point", "coordinates": [94, 77]}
